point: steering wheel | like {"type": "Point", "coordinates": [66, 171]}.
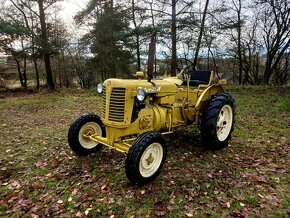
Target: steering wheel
{"type": "Point", "coordinates": [184, 63]}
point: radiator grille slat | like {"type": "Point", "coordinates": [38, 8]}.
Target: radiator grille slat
{"type": "Point", "coordinates": [104, 104]}
{"type": "Point", "coordinates": [117, 105]}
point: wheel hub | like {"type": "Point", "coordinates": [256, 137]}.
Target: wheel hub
{"type": "Point", "coordinates": [224, 122]}
{"type": "Point", "coordinates": [86, 131]}
{"type": "Point", "coordinates": [151, 159]}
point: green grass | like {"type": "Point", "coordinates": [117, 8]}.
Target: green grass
{"type": "Point", "coordinates": [40, 175]}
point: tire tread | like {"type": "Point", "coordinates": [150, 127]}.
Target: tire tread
{"type": "Point", "coordinates": [135, 153]}
{"type": "Point", "coordinates": [208, 121]}
{"type": "Point", "coordinates": [73, 133]}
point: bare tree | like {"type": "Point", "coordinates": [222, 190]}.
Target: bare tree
{"type": "Point", "coordinates": [276, 21]}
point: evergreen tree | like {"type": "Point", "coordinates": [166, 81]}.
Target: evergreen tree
{"type": "Point", "coordinates": [109, 43]}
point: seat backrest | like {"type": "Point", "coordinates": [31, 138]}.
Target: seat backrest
{"type": "Point", "coordinates": [200, 75]}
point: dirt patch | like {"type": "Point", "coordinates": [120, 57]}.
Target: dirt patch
{"type": "Point", "coordinates": [16, 93]}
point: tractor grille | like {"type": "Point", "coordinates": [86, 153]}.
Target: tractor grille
{"type": "Point", "coordinates": [104, 104]}
{"type": "Point", "coordinates": [116, 105]}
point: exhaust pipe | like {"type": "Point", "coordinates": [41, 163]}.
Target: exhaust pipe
{"type": "Point", "coordinates": [151, 55]}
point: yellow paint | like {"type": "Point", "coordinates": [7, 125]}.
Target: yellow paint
{"type": "Point", "coordinates": [168, 105]}
{"type": "Point", "coordinates": [139, 75]}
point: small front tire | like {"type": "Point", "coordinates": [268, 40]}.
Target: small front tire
{"type": "Point", "coordinates": [85, 124]}
{"type": "Point", "coordinates": [145, 158]}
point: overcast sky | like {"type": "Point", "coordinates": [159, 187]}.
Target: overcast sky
{"type": "Point", "coordinates": [70, 8]}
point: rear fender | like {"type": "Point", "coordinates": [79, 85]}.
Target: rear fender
{"type": "Point", "coordinates": [206, 95]}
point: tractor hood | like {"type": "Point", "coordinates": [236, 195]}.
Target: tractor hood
{"type": "Point", "coordinates": [160, 87]}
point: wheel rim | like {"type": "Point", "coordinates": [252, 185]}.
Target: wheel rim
{"type": "Point", "coordinates": [90, 128]}
{"type": "Point", "coordinates": [224, 122]}
{"type": "Point", "coordinates": [151, 159]}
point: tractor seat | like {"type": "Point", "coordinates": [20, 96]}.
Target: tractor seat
{"type": "Point", "coordinates": [198, 77]}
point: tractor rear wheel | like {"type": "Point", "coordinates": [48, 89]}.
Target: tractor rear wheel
{"type": "Point", "coordinates": [85, 125]}
{"type": "Point", "coordinates": [217, 121]}
{"type": "Point", "coordinates": [145, 158]}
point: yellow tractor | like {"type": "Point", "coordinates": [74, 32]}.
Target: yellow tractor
{"type": "Point", "coordinates": [137, 113]}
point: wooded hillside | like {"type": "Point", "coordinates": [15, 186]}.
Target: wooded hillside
{"type": "Point", "coordinates": [247, 42]}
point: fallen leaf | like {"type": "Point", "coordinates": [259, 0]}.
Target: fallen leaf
{"type": "Point", "coordinates": [39, 164]}
{"type": "Point", "coordinates": [170, 208]}
{"type": "Point", "coordinates": [35, 185]}
{"type": "Point", "coordinates": [237, 213]}
{"type": "Point", "coordinates": [87, 212]}
{"type": "Point", "coordinates": [14, 185]}
{"type": "Point", "coordinates": [111, 200]}
{"type": "Point", "coordinates": [160, 212]}
{"type": "Point", "coordinates": [189, 214]}
{"type": "Point", "coordinates": [75, 191]}
{"type": "Point", "coordinates": [209, 175]}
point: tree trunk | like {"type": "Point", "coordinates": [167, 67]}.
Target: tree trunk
{"type": "Point", "coordinates": [45, 46]}
{"type": "Point", "coordinates": [24, 65]}
{"type": "Point", "coordinates": [36, 72]}
{"type": "Point", "coordinates": [173, 39]}
{"type": "Point", "coordinates": [153, 25]}
{"type": "Point", "coordinates": [49, 78]}
{"type": "Point", "coordinates": [200, 34]}
{"type": "Point", "coordinates": [24, 73]}
{"type": "Point", "coordinates": [60, 66]}
{"type": "Point", "coordinates": [239, 44]}
{"type": "Point", "coordinates": [137, 37]}
{"type": "Point", "coordinates": [19, 71]}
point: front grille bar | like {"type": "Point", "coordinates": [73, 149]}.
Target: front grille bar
{"type": "Point", "coordinates": [117, 105]}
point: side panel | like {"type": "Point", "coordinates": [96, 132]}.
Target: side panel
{"type": "Point", "coordinates": [143, 123]}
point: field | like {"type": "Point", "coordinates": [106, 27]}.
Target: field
{"type": "Point", "coordinates": [41, 176]}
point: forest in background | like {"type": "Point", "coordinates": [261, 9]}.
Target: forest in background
{"type": "Point", "coordinates": [246, 42]}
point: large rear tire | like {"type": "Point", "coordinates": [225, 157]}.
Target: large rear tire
{"type": "Point", "coordinates": [145, 158]}
{"type": "Point", "coordinates": [217, 121]}
{"type": "Point", "coordinates": [85, 124]}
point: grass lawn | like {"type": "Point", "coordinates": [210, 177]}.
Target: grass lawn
{"type": "Point", "coordinates": [41, 176]}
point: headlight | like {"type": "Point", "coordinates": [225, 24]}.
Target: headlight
{"type": "Point", "coordinates": [141, 95]}
{"type": "Point", "coordinates": [100, 88]}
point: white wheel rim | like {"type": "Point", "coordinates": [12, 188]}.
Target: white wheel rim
{"type": "Point", "coordinates": [151, 160]}
{"type": "Point", "coordinates": [224, 122]}
{"type": "Point", "coordinates": [90, 128]}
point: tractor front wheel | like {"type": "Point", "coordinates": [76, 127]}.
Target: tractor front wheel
{"type": "Point", "coordinates": [85, 125]}
{"type": "Point", "coordinates": [217, 121]}
{"type": "Point", "coordinates": [145, 158]}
